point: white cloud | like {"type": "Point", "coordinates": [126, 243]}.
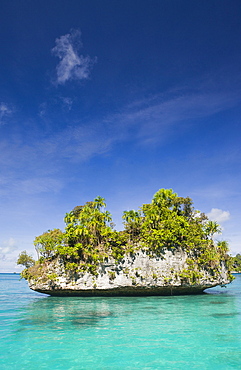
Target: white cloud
{"type": "Point", "coordinates": [5, 111]}
{"type": "Point", "coordinates": [218, 215]}
{"type": "Point", "coordinates": [9, 253]}
{"type": "Point", "coordinates": [8, 246]}
{"type": "Point", "coordinates": [72, 66]}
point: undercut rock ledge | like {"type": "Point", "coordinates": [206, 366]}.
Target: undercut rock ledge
{"type": "Point", "coordinates": [137, 274]}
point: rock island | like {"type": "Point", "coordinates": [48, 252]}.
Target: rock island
{"type": "Point", "coordinates": [166, 248]}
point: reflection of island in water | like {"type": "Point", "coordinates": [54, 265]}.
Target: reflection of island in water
{"type": "Point", "coordinates": [63, 313]}
{"type": "Point", "coordinates": [60, 313]}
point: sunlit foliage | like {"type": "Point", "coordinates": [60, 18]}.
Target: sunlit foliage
{"type": "Point", "coordinates": [168, 222]}
{"type": "Point", "coordinates": [25, 260]}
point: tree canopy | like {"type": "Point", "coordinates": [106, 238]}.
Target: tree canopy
{"type": "Point", "coordinates": [169, 221]}
{"type": "Point", "coordinates": [236, 263]}
{"type": "Point", "coordinates": [25, 260]}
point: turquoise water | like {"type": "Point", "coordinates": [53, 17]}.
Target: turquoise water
{"type": "Point", "coordinates": [195, 332]}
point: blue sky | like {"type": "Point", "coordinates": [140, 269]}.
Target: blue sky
{"type": "Point", "coordinates": [117, 99]}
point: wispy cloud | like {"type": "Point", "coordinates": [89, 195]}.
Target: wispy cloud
{"type": "Point", "coordinates": [67, 103]}
{"type": "Point", "coordinates": [7, 248]}
{"type": "Point", "coordinates": [9, 252]}
{"type": "Point", "coordinates": [42, 166]}
{"type": "Point", "coordinates": [72, 65]}
{"type": "Point", "coordinates": [146, 122]}
{"type": "Point", "coordinates": [154, 119]}
{"type": "Point", "coordinates": [42, 109]}
{"type": "Point", "coordinates": [5, 111]}
{"type": "Point", "coordinates": [40, 185]}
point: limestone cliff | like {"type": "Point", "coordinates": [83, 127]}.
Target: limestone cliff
{"type": "Point", "coordinates": [136, 274]}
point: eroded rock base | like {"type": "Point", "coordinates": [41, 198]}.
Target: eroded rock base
{"type": "Point", "coordinates": [126, 292]}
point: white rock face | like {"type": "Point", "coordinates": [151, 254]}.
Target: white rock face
{"type": "Point", "coordinates": [136, 274]}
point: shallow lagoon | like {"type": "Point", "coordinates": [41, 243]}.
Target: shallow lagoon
{"type": "Point", "coordinates": [43, 332]}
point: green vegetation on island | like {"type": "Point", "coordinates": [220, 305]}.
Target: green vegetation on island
{"type": "Point", "coordinates": [25, 260]}
{"type": "Point", "coordinates": [236, 263]}
{"type": "Point", "coordinates": [168, 222]}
